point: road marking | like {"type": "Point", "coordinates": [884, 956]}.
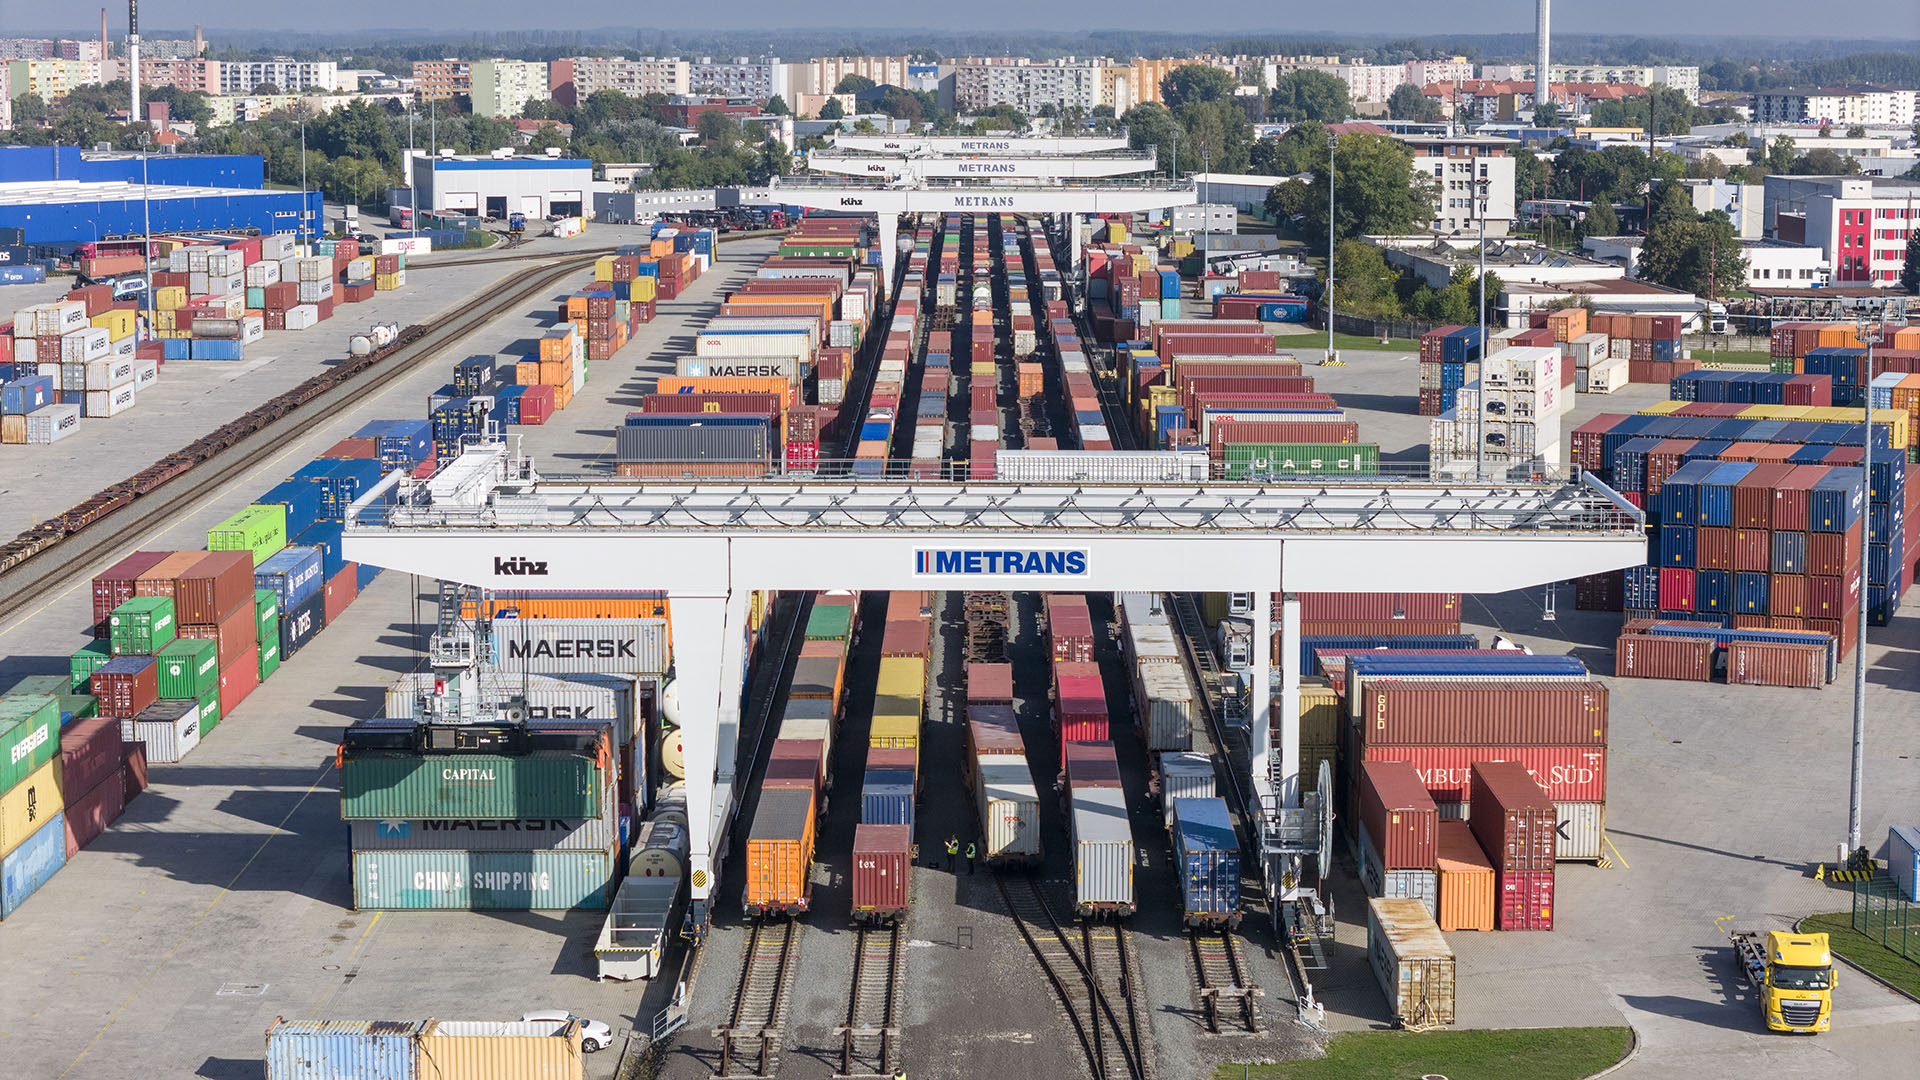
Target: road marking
{"type": "Point", "coordinates": [353, 969]}
{"type": "Point", "coordinates": [1608, 840]}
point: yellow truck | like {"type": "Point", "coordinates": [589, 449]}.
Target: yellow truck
{"type": "Point", "coordinates": [1793, 975]}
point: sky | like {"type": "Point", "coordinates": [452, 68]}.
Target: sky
{"type": "Point", "coordinates": [1782, 18]}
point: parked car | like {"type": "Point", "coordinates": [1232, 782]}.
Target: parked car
{"type": "Point", "coordinates": [594, 1035]}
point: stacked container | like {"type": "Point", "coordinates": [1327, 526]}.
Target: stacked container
{"type": "Point", "coordinates": [1515, 822]}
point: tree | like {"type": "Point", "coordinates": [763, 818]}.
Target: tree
{"type": "Point", "coordinates": [1408, 103]}
{"type": "Point", "coordinates": [1672, 203]}
{"type": "Point", "coordinates": [1695, 253]}
{"type": "Point", "coordinates": [549, 135]}
{"type": "Point", "coordinates": [265, 89]}
{"type": "Point", "coordinates": [1151, 126]}
{"type": "Point", "coordinates": [1910, 270]}
{"type": "Point", "coordinates": [1546, 114]}
{"type": "Point", "coordinates": [1363, 283]}
{"type": "Point", "coordinates": [1298, 151]}
{"type": "Point", "coordinates": [1529, 173]}
{"type": "Point", "coordinates": [1856, 132]}
{"type": "Point", "coordinates": [777, 106]}
{"type": "Point", "coordinates": [853, 84]}
{"type": "Point", "coordinates": [717, 129]}
{"type": "Point", "coordinates": [1600, 219]}
{"type": "Point", "coordinates": [1825, 162]}
{"type": "Point", "coordinates": [1378, 192]}
{"type": "Point", "coordinates": [1310, 95]}
{"type": "Point", "coordinates": [1285, 202]}
{"type": "Point", "coordinates": [832, 110]}
{"type": "Point", "coordinates": [183, 106]}
{"type": "Point", "coordinates": [1194, 83]}
{"type": "Point", "coordinates": [1778, 155]}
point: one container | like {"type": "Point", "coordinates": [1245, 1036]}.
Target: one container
{"type": "Point", "coordinates": [1206, 857]}
{"type": "Point", "coordinates": [993, 733]}
{"type": "Point", "coordinates": [989, 684]}
{"type": "Point", "coordinates": [780, 853]}
{"type": "Point", "coordinates": [541, 784]}
{"type": "Point", "coordinates": [598, 833]}
{"type": "Point", "coordinates": [496, 1049]}
{"type": "Point", "coordinates": [1526, 900]}
{"type": "Point", "coordinates": [1399, 815]}
{"type": "Point", "coordinates": [1090, 764]}
{"type": "Point", "coordinates": [187, 669]}
{"type": "Point", "coordinates": [1186, 776]}
{"type": "Point", "coordinates": [887, 796]}
{"type": "Point", "coordinates": [1165, 703]}
{"type": "Point", "coordinates": [209, 590]}
{"type": "Point", "coordinates": [1640, 656]}
{"type": "Point", "coordinates": [293, 574]}
{"type": "Point", "coordinates": [1569, 773]}
{"type": "Point", "coordinates": [32, 864]}
{"type": "Point", "coordinates": [1421, 885]}
{"type": "Point", "coordinates": [1766, 663]}
{"type": "Point", "coordinates": [1104, 854]}
{"type": "Point", "coordinates": [94, 812]}
{"type": "Point", "coordinates": [882, 871]}
{"type": "Point", "coordinates": [26, 807]}
{"type": "Point", "coordinates": [1466, 879]}
{"type": "Point", "coordinates": [259, 530]}
{"type": "Point", "coordinates": [1411, 961]}
{"type": "Point", "coordinates": [483, 880]}
{"type": "Point", "coordinates": [29, 736]}
{"type": "Point", "coordinates": [1512, 817]}
{"type": "Point", "coordinates": [142, 626]}
{"type": "Point", "coordinates": [168, 729]}
{"type": "Point", "coordinates": [125, 685]}
{"type": "Point", "coordinates": [1009, 810]}
{"type": "Point", "coordinates": [1491, 713]}
{"type": "Point", "coordinates": [1582, 830]}
{"type": "Point", "coordinates": [90, 752]}
{"type": "Point", "coordinates": [115, 585]}
{"type": "Point", "coordinates": [562, 646]}
{"type": "Point", "coordinates": [1903, 860]}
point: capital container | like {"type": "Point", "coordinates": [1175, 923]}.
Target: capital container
{"type": "Point", "coordinates": [1468, 888]}
{"type": "Point", "coordinates": [1411, 961]}
{"type": "Point", "coordinates": [1430, 713]}
{"type": "Point", "coordinates": [564, 646]}
{"type": "Point", "coordinates": [483, 880]}
{"type": "Point", "coordinates": [1206, 856]}
{"type": "Point", "coordinates": [989, 684]}
{"type": "Point", "coordinates": [542, 784]}
{"type": "Point", "coordinates": [187, 669]}
{"type": "Point", "coordinates": [32, 864]}
{"type": "Point", "coordinates": [1569, 773]}
{"type": "Point", "coordinates": [363, 1049]}
{"type": "Point", "coordinates": [29, 735]}
{"type": "Point", "coordinates": [780, 852]}
{"type": "Point", "coordinates": [168, 729]}
{"type": "Point", "coordinates": [27, 806]}
{"type": "Point", "coordinates": [142, 626]}
{"type": "Point", "coordinates": [1526, 900]}
{"type": "Point", "coordinates": [882, 871]}
{"type": "Point", "coordinates": [1512, 817]}
{"type": "Point", "coordinates": [1164, 700]}
{"type": "Point", "coordinates": [1641, 656]}
{"type": "Point", "coordinates": [1399, 815]}
{"type": "Point", "coordinates": [125, 685]}
{"type": "Point", "coordinates": [1009, 809]}
{"type": "Point", "coordinates": [259, 530]}
{"type": "Point", "coordinates": [1104, 853]}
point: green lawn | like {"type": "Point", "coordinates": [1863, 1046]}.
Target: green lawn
{"type": "Point", "coordinates": [1352, 341]}
{"type": "Point", "coordinates": [1865, 951]}
{"type": "Point", "coordinates": [1536, 1054]}
{"type": "Point", "coordinates": [1736, 356]}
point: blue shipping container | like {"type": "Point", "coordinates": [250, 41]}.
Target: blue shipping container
{"type": "Point", "coordinates": [298, 625]}
{"type": "Point", "coordinates": [1903, 859]}
{"type": "Point", "coordinates": [1677, 546]}
{"type": "Point", "coordinates": [1713, 591]}
{"type": "Point", "coordinates": [1715, 495]}
{"type": "Point", "coordinates": [1789, 553]}
{"type": "Point", "coordinates": [292, 574]}
{"type": "Point", "coordinates": [1207, 858]}
{"type": "Point", "coordinates": [24, 395]}
{"type": "Point", "coordinates": [302, 500]}
{"type": "Point", "coordinates": [1835, 503]}
{"type": "Point", "coordinates": [886, 798]}
{"type": "Point", "coordinates": [216, 349]}
{"type": "Point", "coordinates": [28, 274]}
{"type": "Point", "coordinates": [364, 1049]}
{"type": "Point", "coordinates": [1752, 593]}
{"type": "Point", "coordinates": [324, 535]}
{"type": "Point", "coordinates": [32, 864]}
{"type": "Point", "coordinates": [506, 404]}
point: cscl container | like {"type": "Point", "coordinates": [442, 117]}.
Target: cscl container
{"type": "Point", "coordinates": [1526, 900]}
{"type": "Point", "coordinates": [32, 864]}
{"type": "Point", "coordinates": [1411, 961]}
{"type": "Point", "coordinates": [1009, 809]}
{"type": "Point", "coordinates": [371, 1049]}
{"type": "Point", "coordinates": [1206, 855]}
{"type": "Point", "coordinates": [882, 871]}
{"type": "Point", "coordinates": [482, 880]}
{"type": "Point", "coordinates": [1582, 830]}
{"type": "Point", "coordinates": [1491, 713]}
{"type": "Point", "coordinates": [1514, 820]}
{"type": "Point", "coordinates": [168, 729]}
{"type": "Point", "coordinates": [29, 736]}
{"type": "Point", "coordinates": [564, 646]}
{"type": "Point", "coordinates": [25, 808]}
{"type": "Point", "coordinates": [259, 530]}
{"type": "Point", "coordinates": [1399, 815]}
{"type": "Point", "coordinates": [1466, 880]}
{"type": "Point", "coordinates": [541, 784]}
{"type": "Point", "coordinates": [1421, 885]}
{"type": "Point", "coordinates": [1164, 699]}
{"type": "Point", "coordinates": [780, 853]}
{"type": "Point", "coordinates": [1104, 854]}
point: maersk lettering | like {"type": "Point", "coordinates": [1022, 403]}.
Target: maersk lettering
{"type": "Point", "coordinates": [467, 776]}
{"type": "Point", "coordinates": [516, 566]}
{"type": "Point", "coordinates": [560, 712]}
{"type": "Point", "coordinates": [982, 200]}
{"type": "Point", "coordinates": [1062, 563]}
{"type": "Point", "coordinates": [537, 825]}
{"type": "Point", "coordinates": [576, 649]}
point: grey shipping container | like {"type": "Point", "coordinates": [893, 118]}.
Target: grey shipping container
{"type": "Point", "coordinates": [566, 646]}
{"type": "Point", "coordinates": [1582, 830]}
{"type": "Point", "coordinates": [1103, 851]}
{"type": "Point", "coordinates": [1421, 885]}
{"type": "Point", "coordinates": [694, 441]}
{"type": "Point", "coordinates": [1186, 775]}
{"type": "Point", "coordinates": [585, 696]}
{"type": "Point", "coordinates": [170, 730]}
{"type": "Point", "coordinates": [482, 880]}
{"type": "Point", "coordinates": [1009, 810]}
{"type": "Point", "coordinates": [1164, 700]}
{"type": "Point", "coordinates": [1412, 962]}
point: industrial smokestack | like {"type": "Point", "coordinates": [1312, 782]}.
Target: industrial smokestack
{"type": "Point", "coordinates": [199, 42]}
{"type": "Point", "coordinates": [133, 58]}
{"type": "Point", "coordinates": [1543, 69]}
{"type": "Point", "coordinates": [104, 54]}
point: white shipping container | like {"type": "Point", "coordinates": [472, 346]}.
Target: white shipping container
{"type": "Point", "coordinates": [126, 347]}
{"type": "Point", "coordinates": [302, 317]}
{"type": "Point", "coordinates": [1186, 776]}
{"type": "Point", "coordinates": [984, 433]}
{"type": "Point", "coordinates": [1009, 809]}
{"type": "Point", "coordinates": [81, 346]}
{"type": "Point", "coordinates": [290, 267]}
{"type": "Point", "coordinates": [1420, 885]}
{"type": "Point", "coordinates": [841, 332]}
{"type": "Point", "coordinates": [109, 373]}
{"type": "Point", "coordinates": [252, 328]}
{"type": "Point", "coordinates": [1582, 830]}
{"type": "Point", "coordinates": [1107, 466]}
{"type": "Point", "coordinates": [167, 741]}
{"type": "Point", "coordinates": [1024, 342]}
{"type": "Point", "coordinates": [264, 273]}
{"type": "Point", "coordinates": [26, 321]}
{"type": "Point", "coordinates": [1104, 854]}
{"type": "Point", "coordinates": [51, 423]}
{"type": "Point", "coordinates": [312, 292]}
{"type": "Point", "coordinates": [25, 349]}
{"type": "Point", "coordinates": [1620, 348]}
{"type": "Point", "coordinates": [225, 261]}
{"type": "Point", "coordinates": [1164, 700]}
{"type": "Point", "coordinates": [104, 403]}
{"type": "Point", "coordinates": [1607, 377]}
{"type": "Point", "coordinates": [1093, 433]}
{"type": "Point", "coordinates": [796, 344]}
{"type": "Point", "coordinates": [766, 367]}
{"type": "Point", "coordinates": [58, 373]}
{"type": "Point", "coordinates": [59, 318]}
{"type": "Point", "coordinates": [226, 284]}
{"type": "Point", "coordinates": [197, 283]}
{"type": "Point", "coordinates": [1152, 643]}
{"type": "Point", "coordinates": [145, 373]}
{"type": "Point", "coordinates": [731, 325]}
{"type": "Point", "coordinates": [563, 646]}
{"type": "Point", "coordinates": [1412, 962]}
{"type": "Point", "coordinates": [276, 246]}
{"type": "Point", "coordinates": [197, 257]}
{"type": "Point", "coordinates": [314, 270]}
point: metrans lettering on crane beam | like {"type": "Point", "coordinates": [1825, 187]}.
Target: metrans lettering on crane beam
{"type": "Point", "coordinates": [1071, 563]}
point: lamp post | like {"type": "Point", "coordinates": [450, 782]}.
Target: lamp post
{"type": "Point", "coordinates": [1333, 140]}
{"type": "Point", "coordinates": [1869, 336]}
{"type": "Point", "coordinates": [1480, 289]}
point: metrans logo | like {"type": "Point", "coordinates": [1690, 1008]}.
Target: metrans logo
{"type": "Point", "coordinates": [958, 561]}
{"type": "Point", "coordinates": [982, 200]}
{"type": "Point", "coordinates": [986, 167]}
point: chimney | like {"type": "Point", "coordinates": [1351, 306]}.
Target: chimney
{"type": "Point", "coordinates": [104, 54]}
{"type": "Point", "coordinates": [1543, 69]}
{"type": "Point", "coordinates": [133, 58]}
{"type": "Point", "coordinates": [199, 42]}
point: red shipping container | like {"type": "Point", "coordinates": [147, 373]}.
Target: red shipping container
{"type": "Point", "coordinates": [1090, 764]}
{"type": "Point", "coordinates": [1787, 595]}
{"type": "Point", "coordinates": [1763, 663]}
{"type": "Point", "coordinates": [796, 763]}
{"type": "Point", "coordinates": [1752, 551]}
{"type": "Point", "coordinates": [1676, 589]}
{"type": "Point", "coordinates": [133, 775]}
{"type": "Point", "coordinates": [161, 578]}
{"type": "Point", "coordinates": [1845, 630]}
{"type": "Point", "coordinates": [115, 585]}
{"type": "Point", "coordinates": [341, 591]}
{"type": "Point", "coordinates": [1423, 712]}
{"type": "Point", "coordinates": [90, 753]}
{"type": "Point", "coordinates": [989, 684]}
{"type": "Point", "coordinates": [1753, 496]}
{"type": "Point", "coordinates": [1587, 442]}
{"type": "Point", "coordinates": [904, 637]}
{"type": "Point", "coordinates": [1569, 773]}
{"type": "Point", "coordinates": [1511, 815]}
{"type": "Point", "coordinates": [91, 814]}
{"type": "Point", "coordinates": [1399, 815]}
{"type": "Point", "coordinates": [123, 694]}
{"type": "Point", "coordinates": [1637, 656]}
{"type": "Point", "coordinates": [1832, 597]}
{"type": "Point", "coordinates": [1526, 900]}
{"type": "Point", "coordinates": [214, 586]}
{"type": "Point", "coordinates": [238, 680]}
{"type": "Point", "coordinates": [233, 635]}
{"type": "Point", "coordinates": [1334, 606]}
{"type": "Point", "coordinates": [349, 449]}
{"type": "Point", "coordinates": [1833, 554]}
{"type": "Point", "coordinates": [1071, 627]}
{"type": "Point", "coordinates": [1713, 548]}
{"type": "Point", "coordinates": [882, 871]}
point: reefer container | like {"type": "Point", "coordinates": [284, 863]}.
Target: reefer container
{"type": "Point", "coordinates": [482, 880]}
{"type": "Point", "coordinates": [1466, 880]}
{"type": "Point", "coordinates": [779, 853]}
{"type": "Point", "coordinates": [1103, 856]}
{"type": "Point", "coordinates": [499, 1049]}
{"type": "Point", "coordinates": [1412, 962]}
{"type": "Point", "coordinates": [168, 729]}
{"type": "Point", "coordinates": [1493, 713]}
{"type": "Point", "coordinates": [1398, 814]}
{"type": "Point", "coordinates": [365, 1050]}
{"type": "Point", "coordinates": [1512, 817]}
{"type": "Point", "coordinates": [1165, 706]}
{"type": "Point", "coordinates": [1569, 773]}
{"type": "Point", "coordinates": [1526, 900]}
{"type": "Point", "coordinates": [32, 864]}
{"type": "Point", "coordinates": [1207, 859]}
{"type": "Point", "coordinates": [491, 786]}
{"type": "Point", "coordinates": [882, 872]}
{"type": "Point", "coordinates": [1903, 859]}
{"type": "Point", "coordinates": [25, 808]}
{"type": "Point", "coordinates": [565, 646]}
{"type": "Point", "coordinates": [1009, 809]}
{"type": "Point", "coordinates": [1421, 885]}
{"type": "Point", "coordinates": [29, 735]}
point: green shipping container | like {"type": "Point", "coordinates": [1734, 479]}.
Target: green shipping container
{"type": "Point", "coordinates": [85, 659]}
{"type": "Point", "coordinates": [1254, 461]}
{"type": "Point", "coordinates": [43, 684]}
{"type": "Point", "coordinates": [77, 707]}
{"type": "Point", "coordinates": [482, 880]}
{"type": "Point", "coordinates": [270, 651]}
{"type": "Point", "coordinates": [29, 735]}
{"type": "Point", "coordinates": [142, 626]}
{"type": "Point", "coordinates": [829, 623]}
{"type": "Point", "coordinates": [266, 613]}
{"type": "Point", "coordinates": [188, 668]}
{"type": "Point", "coordinates": [259, 529]}
{"type": "Point", "coordinates": [480, 787]}
{"type": "Point", "coordinates": [210, 710]}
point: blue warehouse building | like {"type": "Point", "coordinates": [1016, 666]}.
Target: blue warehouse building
{"type": "Point", "coordinates": [63, 195]}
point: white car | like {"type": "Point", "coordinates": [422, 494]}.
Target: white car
{"type": "Point", "coordinates": [594, 1035]}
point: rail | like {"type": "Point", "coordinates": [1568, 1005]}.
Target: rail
{"type": "Point", "coordinates": [870, 1039]}
{"type": "Point", "coordinates": [1114, 1047]}
{"type": "Point", "coordinates": [1220, 977]}
{"type": "Point", "coordinates": [760, 1000]}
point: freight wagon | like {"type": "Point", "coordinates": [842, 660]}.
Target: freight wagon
{"type": "Point", "coordinates": [780, 853]}
{"type": "Point", "coordinates": [1206, 856]}
{"type": "Point", "coordinates": [882, 872]}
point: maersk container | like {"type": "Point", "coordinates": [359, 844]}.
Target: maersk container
{"type": "Point", "coordinates": [490, 786]}
{"type": "Point", "coordinates": [1207, 858]}
{"type": "Point", "coordinates": [600, 646]}
{"type": "Point", "coordinates": [483, 880]}
{"type": "Point", "coordinates": [1009, 809]}
{"type": "Point", "coordinates": [1165, 702]}
{"type": "Point", "coordinates": [585, 696]}
{"type": "Point", "coordinates": [32, 864]}
{"type": "Point", "coordinates": [1419, 885]}
{"type": "Point", "coordinates": [534, 834]}
{"type": "Point", "coordinates": [1104, 855]}
{"type": "Point", "coordinates": [1411, 960]}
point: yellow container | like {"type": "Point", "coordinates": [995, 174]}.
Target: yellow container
{"type": "Point", "coordinates": [118, 323]}
{"type": "Point", "coordinates": [1662, 408]}
{"type": "Point", "coordinates": [1319, 713]}
{"type": "Point", "coordinates": [902, 687]}
{"type": "Point", "coordinates": [643, 289]}
{"type": "Point", "coordinates": [603, 268]}
{"type": "Point", "coordinates": [984, 368]}
{"type": "Point", "coordinates": [493, 1049]}
{"type": "Point", "coordinates": [163, 320]}
{"type": "Point", "coordinates": [386, 282]}
{"type": "Point", "coordinates": [169, 298]}
{"type": "Point", "coordinates": [1901, 422]}
{"type": "Point", "coordinates": [895, 732]}
{"type": "Point", "coordinates": [30, 804]}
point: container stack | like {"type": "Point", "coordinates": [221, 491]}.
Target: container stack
{"type": "Point", "coordinates": [883, 843]}
{"type": "Point", "coordinates": [1507, 420]}
{"type": "Point", "coordinates": [1516, 823]}
{"type": "Point", "coordinates": [1802, 347]}
{"type": "Point", "coordinates": [74, 358]}
{"type": "Point", "coordinates": [33, 829]}
{"type": "Point", "coordinates": [1398, 823]}
{"type": "Point", "coordinates": [1449, 360]}
{"type": "Point", "coordinates": [1649, 343]}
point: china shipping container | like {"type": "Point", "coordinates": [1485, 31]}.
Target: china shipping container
{"type": "Point", "coordinates": [1206, 856]}
{"type": "Point", "coordinates": [1411, 961]}
{"type": "Point", "coordinates": [541, 784]}
{"type": "Point", "coordinates": [483, 880]}
{"type": "Point", "coordinates": [1466, 880]}
{"type": "Point", "coordinates": [780, 853]}
{"type": "Point", "coordinates": [1512, 817]}
{"type": "Point", "coordinates": [1526, 900]}
{"type": "Point", "coordinates": [1009, 809]}
{"type": "Point", "coordinates": [1104, 853]}
{"type": "Point", "coordinates": [1410, 884]}
{"type": "Point", "coordinates": [1399, 815]}
{"type": "Point", "coordinates": [882, 872]}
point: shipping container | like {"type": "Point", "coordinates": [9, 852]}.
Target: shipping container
{"type": "Point", "coordinates": [89, 814]}
{"type": "Point", "coordinates": [1164, 700]}
{"type": "Point", "coordinates": [1104, 854]}
{"type": "Point", "coordinates": [1412, 884]}
{"type": "Point", "coordinates": [990, 684]}
{"type": "Point", "coordinates": [1514, 820]}
{"type": "Point", "coordinates": [32, 864]}
{"type": "Point", "coordinates": [168, 729]}
{"type": "Point", "coordinates": [1468, 889]}
{"type": "Point", "coordinates": [29, 736]}
{"type": "Point", "coordinates": [1398, 814]}
{"type": "Point", "coordinates": [1009, 809]}
{"type": "Point", "coordinates": [483, 880]}
{"type": "Point", "coordinates": [780, 853]}
{"type": "Point", "coordinates": [1185, 776]}
{"type": "Point", "coordinates": [542, 784]}
{"type": "Point", "coordinates": [1526, 900]}
{"type": "Point", "coordinates": [90, 753]}
{"type": "Point", "coordinates": [600, 833]}
{"type": "Point", "coordinates": [1492, 713]}
{"type": "Point", "coordinates": [187, 669]}
{"type": "Point", "coordinates": [27, 806]}
{"type": "Point", "coordinates": [565, 646]}
{"type": "Point", "coordinates": [1765, 663]}
{"type": "Point", "coordinates": [1206, 855]}
{"type": "Point", "coordinates": [125, 685]}
{"type": "Point", "coordinates": [1640, 656]}
{"type": "Point", "coordinates": [1569, 773]}
{"type": "Point", "coordinates": [142, 626]}
{"type": "Point", "coordinates": [499, 1050]}
{"type": "Point", "coordinates": [1090, 765]}
{"type": "Point", "coordinates": [1582, 830]}
{"type": "Point", "coordinates": [1903, 860]}
{"type": "Point", "coordinates": [1411, 961]}
{"type": "Point", "coordinates": [882, 871]}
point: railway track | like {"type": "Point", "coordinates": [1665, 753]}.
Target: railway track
{"type": "Point", "coordinates": [1097, 982]}
{"type": "Point", "coordinates": [870, 1039]}
{"type": "Point", "coordinates": [1219, 972]}
{"type": "Point", "coordinates": [750, 1041]}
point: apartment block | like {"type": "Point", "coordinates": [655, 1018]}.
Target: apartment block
{"type": "Point", "coordinates": [822, 75]}
{"type": "Point", "coordinates": [1841, 106]}
{"type": "Point", "coordinates": [1459, 163]}
{"type": "Point", "coordinates": [438, 80]}
{"type": "Point", "coordinates": [49, 80]}
{"type": "Point", "coordinates": [981, 84]}
{"type": "Point", "coordinates": [241, 76]}
{"type": "Point", "coordinates": [758, 78]}
{"type": "Point", "coordinates": [1682, 78]}
{"type": "Point", "coordinates": [502, 88]}
{"type": "Point", "coordinates": [577, 78]}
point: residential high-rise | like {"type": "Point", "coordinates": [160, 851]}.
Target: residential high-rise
{"type": "Point", "coordinates": [438, 80]}
{"type": "Point", "coordinates": [502, 88]}
{"type": "Point", "coordinates": [241, 76]}
{"type": "Point", "coordinates": [577, 78]}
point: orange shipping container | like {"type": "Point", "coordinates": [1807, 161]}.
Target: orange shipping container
{"type": "Point", "coordinates": [526, 373]}
{"type": "Point", "coordinates": [1467, 885]}
{"type": "Point", "coordinates": [1907, 338]}
{"type": "Point", "coordinates": [555, 372]}
{"type": "Point", "coordinates": [660, 247]}
{"type": "Point", "coordinates": [725, 384]}
{"type": "Point", "coordinates": [563, 393]}
{"type": "Point", "coordinates": [820, 303]}
{"type": "Point", "coordinates": [1838, 337]}
{"type": "Point", "coordinates": [780, 852]}
{"type": "Point", "coordinates": [570, 606]}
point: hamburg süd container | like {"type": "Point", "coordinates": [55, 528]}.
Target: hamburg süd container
{"type": "Point", "coordinates": [1467, 885]}
{"type": "Point", "coordinates": [1399, 815]}
{"type": "Point", "coordinates": [29, 735]}
{"type": "Point", "coordinates": [1512, 817]}
{"type": "Point", "coordinates": [1165, 706]}
{"type": "Point", "coordinates": [882, 871]}
{"type": "Point", "coordinates": [1569, 773]}
{"type": "Point", "coordinates": [1643, 656]}
{"type": "Point", "coordinates": [1412, 962]}
{"type": "Point", "coordinates": [454, 880]}
{"type": "Point", "coordinates": [1104, 855]}
{"type": "Point", "coordinates": [1421, 885]}
{"type": "Point", "coordinates": [1009, 809]}
{"type": "Point", "coordinates": [32, 864]}
{"type": "Point", "coordinates": [1207, 859]}
{"type": "Point", "coordinates": [491, 786]}
{"type": "Point", "coordinates": [780, 853]}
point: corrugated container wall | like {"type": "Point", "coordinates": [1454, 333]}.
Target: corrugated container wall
{"type": "Point", "coordinates": [364, 1050]}
{"type": "Point", "coordinates": [1103, 850]}
{"type": "Point", "coordinates": [471, 786]}
{"type": "Point", "coordinates": [482, 880]}
{"type": "Point", "coordinates": [566, 646]}
{"type": "Point", "coordinates": [1468, 889]}
{"type": "Point", "coordinates": [501, 1050]}
{"type": "Point", "coordinates": [1412, 962]}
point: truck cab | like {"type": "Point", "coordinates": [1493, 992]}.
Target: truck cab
{"type": "Point", "coordinates": [1797, 992]}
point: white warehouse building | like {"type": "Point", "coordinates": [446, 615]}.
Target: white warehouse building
{"type": "Point", "coordinates": [492, 187]}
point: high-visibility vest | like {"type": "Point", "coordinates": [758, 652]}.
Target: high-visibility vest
{"type": "Point", "coordinates": [953, 847]}
{"type": "Point", "coordinates": [970, 851]}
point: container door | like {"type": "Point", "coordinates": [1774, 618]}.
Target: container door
{"type": "Point", "coordinates": [530, 205]}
